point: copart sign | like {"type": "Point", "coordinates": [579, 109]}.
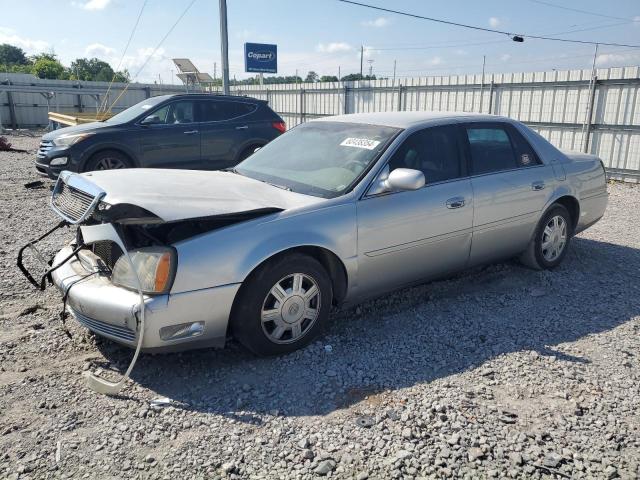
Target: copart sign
{"type": "Point", "coordinates": [260, 58]}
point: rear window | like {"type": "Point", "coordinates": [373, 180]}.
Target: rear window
{"type": "Point", "coordinates": [491, 150]}
{"type": "Point", "coordinates": [219, 110]}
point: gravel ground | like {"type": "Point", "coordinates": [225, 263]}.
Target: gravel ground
{"type": "Point", "coordinates": [499, 372]}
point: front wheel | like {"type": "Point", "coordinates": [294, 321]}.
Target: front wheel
{"type": "Point", "coordinates": [551, 240]}
{"type": "Point", "coordinates": [283, 306]}
{"type": "Point", "coordinates": [108, 160]}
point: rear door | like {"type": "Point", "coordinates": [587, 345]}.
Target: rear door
{"type": "Point", "coordinates": [407, 236]}
{"type": "Point", "coordinates": [225, 129]}
{"type": "Point", "coordinates": [169, 136]}
{"type": "Point", "coordinates": [510, 187]}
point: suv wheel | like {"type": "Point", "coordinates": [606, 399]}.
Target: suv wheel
{"type": "Point", "coordinates": [283, 306]}
{"type": "Point", "coordinates": [108, 160]}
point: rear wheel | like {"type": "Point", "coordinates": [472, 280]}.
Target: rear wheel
{"type": "Point", "coordinates": [283, 306]}
{"type": "Point", "coordinates": [551, 240]}
{"type": "Point", "coordinates": [247, 152]}
{"type": "Point", "coordinates": [108, 160]}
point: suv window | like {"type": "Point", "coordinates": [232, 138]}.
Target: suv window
{"type": "Point", "coordinates": [491, 149]}
{"type": "Point", "coordinates": [176, 112]}
{"type": "Point", "coordinates": [434, 151]}
{"type": "Point", "coordinates": [219, 110]}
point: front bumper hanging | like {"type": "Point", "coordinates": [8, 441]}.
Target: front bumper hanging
{"type": "Point", "coordinates": [90, 235]}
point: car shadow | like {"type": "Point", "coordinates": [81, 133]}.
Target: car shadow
{"type": "Point", "coordinates": [410, 337]}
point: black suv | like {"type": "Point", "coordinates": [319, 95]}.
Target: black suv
{"type": "Point", "coordinates": [193, 131]}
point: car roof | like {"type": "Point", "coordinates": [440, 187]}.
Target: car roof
{"type": "Point", "coordinates": [242, 98]}
{"type": "Point", "coordinates": [409, 119]}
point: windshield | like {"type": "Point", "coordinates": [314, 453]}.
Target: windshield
{"type": "Point", "coordinates": [136, 110]}
{"type": "Point", "coordinates": [323, 159]}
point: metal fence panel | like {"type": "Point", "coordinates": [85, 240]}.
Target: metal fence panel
{"type": "Point", "coordinates": [556, 103]}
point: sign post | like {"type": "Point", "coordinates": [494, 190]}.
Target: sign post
{"type": "Point", "coordinates": [260, 58]}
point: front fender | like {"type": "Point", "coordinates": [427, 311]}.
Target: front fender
{"type": "Point", "coordinates": [229, 255]}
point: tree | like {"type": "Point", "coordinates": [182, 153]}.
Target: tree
{"type": "Point", "coordinates": [352, 77]}
{"type": "Point", "coordinates": [12, 55]}
{"type": "Point", "coordinates": [311, 77]}
{"type": "Point", "coordinates": [328, 78]}
{"type": "Point", "coordinates": [48, 68]}
{"type": "Point", "coordinates": [96, 70]}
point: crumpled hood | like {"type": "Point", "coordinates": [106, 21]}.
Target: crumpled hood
{"type": "Point", "coordinates": [183, 194]}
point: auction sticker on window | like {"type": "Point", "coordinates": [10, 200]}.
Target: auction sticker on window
{"type": "Point", "coordinates": [360, 143]}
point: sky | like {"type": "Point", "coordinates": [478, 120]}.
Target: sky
{"type": "Point", "coordinates": [326, 35]}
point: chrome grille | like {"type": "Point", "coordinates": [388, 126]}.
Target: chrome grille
{"type": "Point", "coordinates": [74, 198]}
{"type": "Point", "coordinates": [45, 146]}
{"type": "Point", "coordinates": [108, 330]}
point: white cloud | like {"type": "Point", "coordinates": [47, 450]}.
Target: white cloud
{"type": "Point", "coordinates": [461, 52]}
{"type": "Point", "coordinates": [376, 22]}
{"type": "Point", "coordinates": [7, 35]}
{"type": "Point", "coordinates": [333, 47]}
{"type": "Point", "coordinates": [99, 50]}
{"type": "Point", "coordinates": [618, 59]}
{"type": "Point", "coordinates": [435, 61]}
{"type": "Point", "coordinates": [636, 21]}
{"type": "Point", "coordinates": [505, 57]}
{"type": "Point", "coordinates": [494, 22]}
{"type": "Point", "coordinates": [92, 4]}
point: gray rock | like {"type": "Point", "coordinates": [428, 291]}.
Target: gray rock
{"type": "Point", "coordinates": [325, 466]}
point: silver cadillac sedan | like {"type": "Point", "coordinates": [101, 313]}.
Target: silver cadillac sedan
{"type": "Point", "coordinates": [335, 211]}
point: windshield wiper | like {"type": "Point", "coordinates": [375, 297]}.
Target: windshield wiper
{"type": "Point", "coordinates": [288, 189]}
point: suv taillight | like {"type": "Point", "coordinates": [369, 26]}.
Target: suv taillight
{"type": "Point", "coordinates": [280, 126]}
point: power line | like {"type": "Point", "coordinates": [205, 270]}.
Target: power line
{"type": "Point", "coordinates": [184, 12]}
{"type": "Point", "coordinates": [517, 37]}
{"type": "Point", "coordinates": [133, 31]}
{"type": "Point", "coordinates": [586, 12]}
{"type": "Point", "coordinates": [490, 42]}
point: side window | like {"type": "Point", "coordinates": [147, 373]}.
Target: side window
{"type": "Point", "coordinates": [491, 149]}
{"type": "Point", "coordinates": [525, 155]}
{"type": "Point", "coordinates": [219, 110]}
{"type": "Point", "coordinates": [435, 151]}
{"type": "Point", "coordinates": [181, 112]}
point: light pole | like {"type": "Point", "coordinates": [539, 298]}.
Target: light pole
{"type": "Point", "coordinates": [224, 47]}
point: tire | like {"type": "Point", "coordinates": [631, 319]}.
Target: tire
{"type": "Point", "coordinates": [547, 250]}
{"type": "Point", "coordinates": [287, 325]}
{"type": "Point", "coordinates": [108, 160]}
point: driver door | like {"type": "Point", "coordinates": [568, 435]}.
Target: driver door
{"type": "Point", "coordinates": [171, 138]}
{"type": "Point", "coordinates": [408, 236]}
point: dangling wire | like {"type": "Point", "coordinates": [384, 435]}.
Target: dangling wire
{"type": "Point", "coordinates": [153, 53]}
{"type": "Point", "coordinates": [103, 104]}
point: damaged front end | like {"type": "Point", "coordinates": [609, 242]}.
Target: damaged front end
{"type": "Point", "coordinates": [123, 261]}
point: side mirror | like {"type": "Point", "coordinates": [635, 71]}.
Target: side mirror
{"type": "Point", "coordinates": [150, 120]}
{"type": "Point", "coordinates": [405, 179]}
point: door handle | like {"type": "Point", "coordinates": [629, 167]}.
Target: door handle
{"type": "Point", "coordinates": [537, 186]}
{"type": "Point", "coordinates": [190, 132]}
{"type": "Point", "coordinates": [455, 202]}
{"type": "Point", "coordinates": [243, 127]}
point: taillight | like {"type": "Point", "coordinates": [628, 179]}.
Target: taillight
{"type": "Point", "coordinates": [280, 126]}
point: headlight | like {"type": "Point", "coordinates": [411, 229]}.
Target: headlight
{"type": "Point", "coordinates": [68, 140]}
{"type": "Point", "coordinates": [155, 266]}
{"type": "Point", "coordinates": [58, 161]}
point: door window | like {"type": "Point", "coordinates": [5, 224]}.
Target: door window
{"type": "Point", "coordinates": [174, 113]}
{"type": "Point", "coordinates": [491, 149]}
{"type": "Point", "coordinates": [219, 110]}
{"type": "Point", "coordinates": [525, 154]}
{"type": "Point", "coordinates": [434, 151]}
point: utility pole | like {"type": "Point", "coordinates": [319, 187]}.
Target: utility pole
{"type": "Point", "coordinates": [586, 126]}
{"type": "Point", "coordinates": [394, 74]}
{"type": "Point", "coordinates": [215, 70]}
{"type": "Point", "coordinates": [484, 58]}
{"type": "Point", "coordinates": [224, 47]}
{"type": "Point", "coordinates": [370, 61]}
{"type": "Point", "coordinates": [361, 57]}
{"type": "Point", "coordinates": [339, 76]}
